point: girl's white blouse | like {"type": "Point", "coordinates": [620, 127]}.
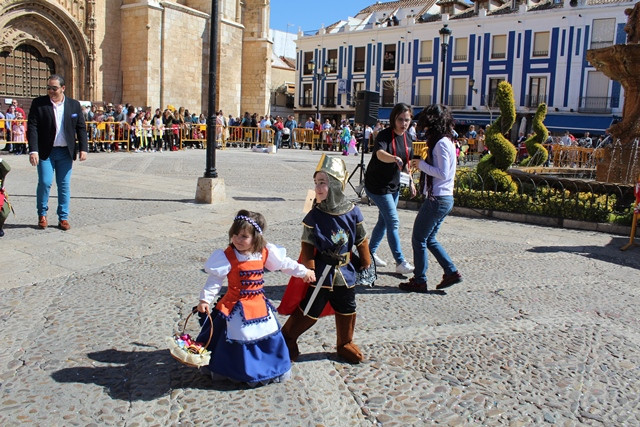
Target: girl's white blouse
{"type": "Point", "coordinates": [218, 266]}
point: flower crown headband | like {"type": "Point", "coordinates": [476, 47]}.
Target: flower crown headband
{"type": "Point", "coordinates": [250, 221]}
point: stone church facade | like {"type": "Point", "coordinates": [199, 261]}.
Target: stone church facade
{"type": "Point", "coordinates": [148, 53]}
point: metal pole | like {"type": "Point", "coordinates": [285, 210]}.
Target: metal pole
{"type": "Point", "coordinates": [318, 96]}
{"type": "Point", "coordinates": [210, 169]}
{"type": "Point", "coordinates": [444, 71]}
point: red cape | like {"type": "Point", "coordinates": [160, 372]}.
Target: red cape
{"type": "Point", "coordinates": [294, 294]}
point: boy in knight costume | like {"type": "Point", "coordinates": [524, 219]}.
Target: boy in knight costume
{"type": "Point", "coordinates": [331, 229]}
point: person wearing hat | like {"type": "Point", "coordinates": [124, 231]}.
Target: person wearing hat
{"type": "Point", "coordinates": [331, 229]}
{"type": "Point", "coordinates": [54, 124]}
{"type": "Point", "coordinates": [110, 110]}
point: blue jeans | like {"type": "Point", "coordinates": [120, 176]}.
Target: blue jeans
{"type": "Point", "coordinates": [388, 222]}
{"type": "Point", "coordinates": [425, 227]}
{"type": "Point", "coordinates": [278, 139]}
{"type": "Point", "coordinates": [60, 162]}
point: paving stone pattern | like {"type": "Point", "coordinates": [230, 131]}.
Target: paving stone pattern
{"type": "Point", "coordinates": [543, 330]}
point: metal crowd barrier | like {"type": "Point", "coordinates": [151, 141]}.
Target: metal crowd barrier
{"type": "Point", "coordinates": [245, 136]}
{"type": "Point", "coordinates": [194, 135]}
{"type": "Point", "coordinates": [576, 157]}
{"type": "Point", "coordinates": [115, 135]}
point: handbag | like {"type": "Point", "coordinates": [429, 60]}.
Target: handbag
{"type": "Point", "coordinates": [188, 351]}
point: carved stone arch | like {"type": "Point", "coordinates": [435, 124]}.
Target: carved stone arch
{"type": "Point", "coordinates": [56, 35]}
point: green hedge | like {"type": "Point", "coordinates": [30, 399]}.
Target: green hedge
{"type": "Point", "coordinates": [472, 192]}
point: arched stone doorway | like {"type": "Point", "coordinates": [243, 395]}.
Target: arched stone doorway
{"type": "Point", "coordinates": [37, 38]}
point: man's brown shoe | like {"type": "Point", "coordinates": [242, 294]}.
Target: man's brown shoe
{"type": "Point", "coordinates": [64, 225]}
{"type": "Point", "coordinates": [42, 222]}
{"type": "Point", "coordinates": [449, 280]}
{"type": "Point", "coordinates": [413, 286]}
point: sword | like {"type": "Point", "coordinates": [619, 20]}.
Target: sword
{"type": "Point", "coordinates": [325, 273]}
{"type": "Point", "coordinates": [319, 283]}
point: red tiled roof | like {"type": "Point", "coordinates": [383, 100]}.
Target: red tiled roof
{"type": "Point", "coordinates": [392, 5]}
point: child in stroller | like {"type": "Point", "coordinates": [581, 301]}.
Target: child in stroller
{"type": "Point", "coordinates": [286, 137]}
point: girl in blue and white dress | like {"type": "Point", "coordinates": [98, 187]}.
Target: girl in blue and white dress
{"type": "Point", "coordinates": [247, 345]}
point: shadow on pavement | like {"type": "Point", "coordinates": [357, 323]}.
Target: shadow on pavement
{"type": "Point", "coordinates": [609, 253]}
{"type": "Point", "coordinates": [141, 375]}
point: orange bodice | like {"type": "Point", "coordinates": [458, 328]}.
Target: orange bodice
{"type": "Point", "coordinates": [245, 288]}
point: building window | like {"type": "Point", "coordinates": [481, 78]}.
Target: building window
{"type": "Point", "coordinates": [603, 33]}
{"type": "Point", "coordinates": [537, 92]}
{"type": "Point", "coordinates": [389, 62]}
{"type": "Point", "coordinates": [597, 98]}
{"type": "Point", "coordinates": [332, 60]}
{"type": "Point", "coordinates": [461, 47]}
{"type": "Point", "coordinates": [541, 44]}
{"type": "Point", "coordinates": [424, 94]}
{"type": "Point", "coordinates": [458, 97]}
{"type": "Point", "coordinates": [330, 97]}
{"type": "Point", "coordinates": [307, 95]}
{"type": "Point", "coordinates": [491, 98]}
{"type": "Point", "coordinates": [499, 47]}
{"type": "Point", "coordinates": [426, 51]}
{"type": "Point", "coordinates": [357, 87]}
{"type": "Point", "coordinates": [308, 57]}
{"type": "Point", "coordinates": [388, 93]}
{"type": "Point", "coordinates": [359, 58]}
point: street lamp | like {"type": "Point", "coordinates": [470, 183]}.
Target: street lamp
{"type": "Point", "coordinates": [319, 77]}
{"type": "Point", "coordinates": [445, 33]}
{"type": "Point", "coordinates": [472, 84]}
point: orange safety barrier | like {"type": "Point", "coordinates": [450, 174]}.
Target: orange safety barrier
{"type": "Point", "coordinates": [108, 136]}
{"type": "Point", "coordinates": [576, 157]}
{"type": "Point", "coordinates": [195, 136]}
{"type": "Point", "coordinates": [248, 136]}
{"type": "Point", "coordinates": [304, 137]}
{"type": "Point", "coordinates": [420, 149]}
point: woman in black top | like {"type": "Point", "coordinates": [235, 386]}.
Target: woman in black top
{"type": "Point", "coordinates": [392, 152]}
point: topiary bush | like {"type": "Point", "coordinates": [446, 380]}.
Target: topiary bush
{"type": "Point", "coordinates": [493, 166]}
{"type": "Point", "coordinates": [537, 153]}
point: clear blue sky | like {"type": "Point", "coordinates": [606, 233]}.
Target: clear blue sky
{"type": "Point", "coordinates": [289, 15]}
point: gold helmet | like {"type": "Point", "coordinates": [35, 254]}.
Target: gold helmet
{"type": "Point", "coordinates": [335, 167]}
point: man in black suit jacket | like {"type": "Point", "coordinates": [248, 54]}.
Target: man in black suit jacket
{"type": "Point", "coordinates": [54, 123]}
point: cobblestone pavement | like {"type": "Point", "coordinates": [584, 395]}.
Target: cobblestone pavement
{"type": "Point", "coordinates": [543, 330]}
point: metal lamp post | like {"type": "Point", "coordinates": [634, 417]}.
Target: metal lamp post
{"type": "Point", "coordinates": [445, 34]}
{"type": "Point", "coordinates": [319, 78]}
{"type": "Point", "coordinates": [210, 168]}
{"type": "Point", "coordinates": [210, 188]}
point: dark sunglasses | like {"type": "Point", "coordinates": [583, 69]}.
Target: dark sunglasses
{"type": "Point", "coordinates": [53, 88]}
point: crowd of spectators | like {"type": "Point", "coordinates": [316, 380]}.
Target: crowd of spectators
{"type": "Point", "coordinates": [113, 127]}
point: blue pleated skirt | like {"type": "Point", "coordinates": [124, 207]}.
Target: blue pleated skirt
{"type": "Point", "coordinates": [259, 359]}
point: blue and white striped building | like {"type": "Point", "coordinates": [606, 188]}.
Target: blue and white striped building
{"type": "Point", "coordinates": [394, 49]}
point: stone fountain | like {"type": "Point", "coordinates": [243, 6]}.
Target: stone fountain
{"type": "Point", "coordinates": [621, 62]}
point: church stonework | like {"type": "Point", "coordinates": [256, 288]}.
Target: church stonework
{"type": "Point", "coordinates": [256, 57]}
{"type": "Point", "coordinates": [144, 52]}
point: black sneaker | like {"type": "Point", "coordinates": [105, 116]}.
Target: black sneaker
{"type": "Point", "coordinates": [449, 280]}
